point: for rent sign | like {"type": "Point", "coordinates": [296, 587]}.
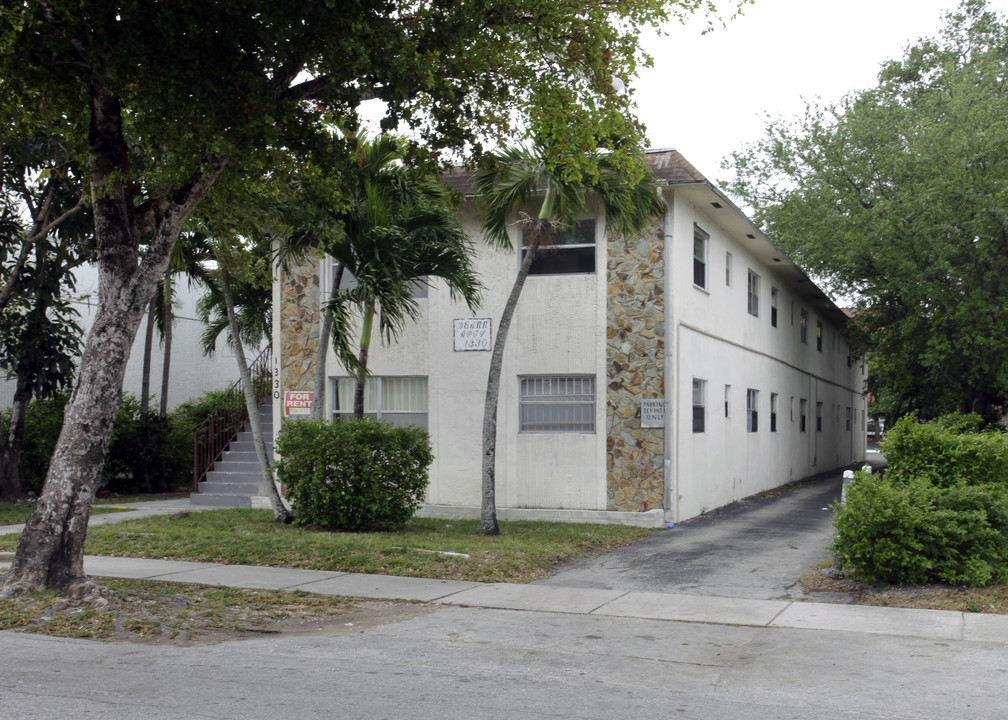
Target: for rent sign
{"type": "Point", "coordinates": [297, 403]}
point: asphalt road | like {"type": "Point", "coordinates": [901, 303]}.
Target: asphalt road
{"type": "Point", "coordinates": [467, 663]}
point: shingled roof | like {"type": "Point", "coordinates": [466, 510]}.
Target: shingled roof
{"type": "Point", "coordinates": [669, 167]}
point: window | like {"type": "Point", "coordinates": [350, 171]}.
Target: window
{"type": "Point", "coordinates": [727, 269]}
{"type": "Point", "coordinates": [818, 335]}
{"type": "Point", "coordinates": [773, 306]}
{"type": "Point", "coordinates": [401, 401]}
{"type": "Point", "coordinates": [804, 326]}
{"type": "Point", "coordinates": [773, 412]}
{"type": "Point", "coordinates": [752, 410]}
{"type": "Point", "coordinates": [791, 409]}
{"type": "Point", "coordinates": [802, 413]}
{"type": "Point", "coordinates": [818, 417]}
{"type": "Point", "coordinates": [847, 423]}
{"type": "Point", "coordinates": [417, 287]}
{"type": "Point", "coordinates": [727, 397]}
{"type": "Point", "coordinates": [753, 290]}
{"type": "Point", "coordinates": [557, 404]}
{"type": "Point", "coordinates": [699, 404]}
{"type": "Point", "coordinates": [700, 257]}
{"type": "Point", "coordinates": [565, 253]}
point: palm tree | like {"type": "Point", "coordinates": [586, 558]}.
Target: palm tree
{"type": "Point", "coordinates": [400, 229]}
{"type": "Point", "coordinates": [505, 187]}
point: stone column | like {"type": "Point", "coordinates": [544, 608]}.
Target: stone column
{"type": "Point", "coordinates": [635, 370]}
{"type": "Point", "coordinates": [299, 326]}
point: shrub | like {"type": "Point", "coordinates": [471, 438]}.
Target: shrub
{"type": "Point", "coordinates": [947, 451]}
{"type": "Point", "coordinates": [358, 475]}
{"type": "Point", "coordinates": [146, 454]}
{"type": "Point", "coordinates": [916, 531]}
{"type": "Point", "coordinates": [43, 422]}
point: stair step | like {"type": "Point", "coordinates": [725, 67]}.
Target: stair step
{"type": "Point", "coordinates": [218, 500]}
{"type": "Point", "coordinates": [229, 488]}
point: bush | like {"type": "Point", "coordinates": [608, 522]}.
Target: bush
{"type": "Point", "coordinates": [147, 453]}
{"type": "Point", "coordinates": [358, 475]}
{"type": "Point", "coordinates": [947, 451]}
{"type": "Point", "coordinates": [43, 422]}
{"type": "Point", "coordinates": [916, 531]}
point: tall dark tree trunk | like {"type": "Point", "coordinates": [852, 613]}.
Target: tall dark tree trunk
{"type": "Point", "coordinates": [50, 552]}
{"type": "Point", "coordinates": [169, 319]}
{"type": "Point", "coordinates": [365, 346]}
{"type": "Point", "coordinates": [325, 330]}
{"type": "Point", "coordinates": [145, 375]}
{"type": "Point", "coordinates": [13, 441]}
{"type": "Point", "coordinates": [488, 510]}
{"type": "Point", "coordinates": [281, 515]}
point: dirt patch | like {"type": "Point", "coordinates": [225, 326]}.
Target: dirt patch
{"type": "Point", "coordinates": [827, 586]}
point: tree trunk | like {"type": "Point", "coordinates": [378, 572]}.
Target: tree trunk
{"type": "Point", "coordinates": [145, 376]}
{"type": "Point", "coordinates": [488, 511]}
{"type": "Point", "coordinates": [10, 458]}
{"type": "Point", "coordinates": [168, 322]}
{"type": "Point", "coordinates": [50, 552]}
{"type": "Point", "coordinates": [365, 345]}
{"type": "Point", "coordinates": [281, 515]}
{"type": "Point", "coordinates": [325, 329]}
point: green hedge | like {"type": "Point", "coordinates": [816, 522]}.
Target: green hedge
{"type": "Point", "coordinates": [946, 451]}
{"type": "Point", "coordinates": [357, 475]}
{"type": "Point", "coordinates": [939, 512]}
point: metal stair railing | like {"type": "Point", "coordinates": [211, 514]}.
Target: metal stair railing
{"type": "Point", "coordinates": [226, 420]}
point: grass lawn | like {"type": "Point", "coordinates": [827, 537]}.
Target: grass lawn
{"type": "Point", "coordinates": [18, 513]}
{"type": "Point", "coordinates": [449, 549]}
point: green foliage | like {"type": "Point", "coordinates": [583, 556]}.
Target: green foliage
{"type": "Point", "coordinates": [43, 422]}
{"type": "Point", "coordinates": [939, 512]}
{"type": "Point", "coordinates": [895, 195]}
{"type": "Point", "coordinates": [360, 475]}
{"type": "Point", "coordinates": [946, 452]}
{"type": "Point", "coordinates": [147, 453]}
{"type": "Point", "coordinates": [914, 531]}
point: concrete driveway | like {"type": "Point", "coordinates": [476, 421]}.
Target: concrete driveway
{"type": "Point", "coordinates": [756, 548]}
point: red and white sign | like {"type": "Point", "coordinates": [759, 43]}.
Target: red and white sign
{"type": "Point", "coordinates": [297, 403]}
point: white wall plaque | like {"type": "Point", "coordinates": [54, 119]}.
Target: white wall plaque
{"type": "Point", "coordinates": [472, 334]}
{"type": "Point", "coordinates": [652, 413]}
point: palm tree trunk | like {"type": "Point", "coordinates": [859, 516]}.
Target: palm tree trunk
{"type": "Point", "coordinates": [488, 512]}
{"type": "Point", "coordinates": [281, 515]}
{"type": "Point", "coordinates": [168, 322]}
{"type": "Point", "coordinates": [365, 345]}
{"type": "Point", "coordinates": [145, 377]}
{"type": "Point", "coordinates": [325, 329]}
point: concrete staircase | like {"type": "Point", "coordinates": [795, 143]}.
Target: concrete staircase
{"type": "Point", "coordinates": [236, 479]}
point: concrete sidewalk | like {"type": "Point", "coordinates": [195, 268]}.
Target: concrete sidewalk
{"type": "Point", "coordinates": [924, 624]}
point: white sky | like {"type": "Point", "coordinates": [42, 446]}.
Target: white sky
{"type": "Point", "coordinates": [708, 95]}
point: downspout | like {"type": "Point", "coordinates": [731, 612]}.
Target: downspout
{"type": "Point", "coordinates": [671, 494]}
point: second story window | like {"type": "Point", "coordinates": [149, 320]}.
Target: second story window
{"type": "Point", "coordinates": [700, 239]}
{"type": "Point", "coordinates": [753, 293]}
{"type": "Point", "coordinates": [571, 252]}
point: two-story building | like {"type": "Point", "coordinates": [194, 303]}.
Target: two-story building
{"type": "Point", "coordinates": [646, 380]}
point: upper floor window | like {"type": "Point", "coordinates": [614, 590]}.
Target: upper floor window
{"type": "Point", "coordinates": [818, 335]}
{"type": "Point", "coordinates": [700, 239]}
{"type": "Point", "coordinates": [418, 286]}
{"type": "Point", "coordinates": [753, 292]}
{"type": "Point", "coordinates": [804, 326]}
{"type": "Point", "coordinates": [565, 253]}
{"type": "Point", "coordinates": [727, 269]}
{"type": "Point", "coordinates": [773, 412]}
{"type": "Point", "coordinates": [773, 306]}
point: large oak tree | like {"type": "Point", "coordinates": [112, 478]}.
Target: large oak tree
{"type": "Point", "coordinates": [897, 195]}
{"type": "Point", "coordinates": [169, 101]}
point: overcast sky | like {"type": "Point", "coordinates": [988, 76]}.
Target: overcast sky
{"type": "Point", "coordinates": [708, 95]}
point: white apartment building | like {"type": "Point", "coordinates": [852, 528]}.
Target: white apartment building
{"type": "Point", "coordinates": [646, 380]}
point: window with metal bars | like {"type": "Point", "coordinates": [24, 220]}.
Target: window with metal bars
{"type": "Point", "coordinates": [557, 404]}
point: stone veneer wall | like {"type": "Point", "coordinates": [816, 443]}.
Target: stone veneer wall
{"type": "Point", "coordinates": [635, 371]}
{"type": "Point", "coordinates": [299, 326]}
